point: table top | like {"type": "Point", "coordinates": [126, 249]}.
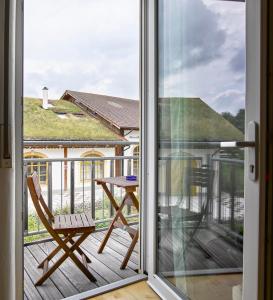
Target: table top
{"type": "Point", "coordinates": [119, 181]}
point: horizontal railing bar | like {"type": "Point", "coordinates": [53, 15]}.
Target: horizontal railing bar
{"type": "Point", "coordinates": [31, 160]}
{"type": "Point", "coordinates": [189, 144]}
{"type": "Point", "coordinates": [229, 160]}
{"type": "Point", "coordinates": [31, 233]}
{"type": "Point", "coordinates": [110, 219]}
{"type": "Point", "coordinates": [80, 143]}
{"type": "Point", "coordinates": [184, 144]}
{"type": "Point", "coordinates": [180, 158]}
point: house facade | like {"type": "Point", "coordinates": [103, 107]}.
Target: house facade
{"type": "Point", "coordinates": [70, 129]}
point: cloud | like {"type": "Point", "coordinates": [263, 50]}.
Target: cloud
{"type": "Point", "coordinates": [189, 35]}
{"type": "Point", "coordinates": [209, 65]}
{"type": "Point", "coordinates": [93, 46]}
{"type": "Point", "coordinates": [238, 61]}
{"type": "Point", "coordinates": [229, 101]}
{"type": "Point", "coordinates": [80, 45]}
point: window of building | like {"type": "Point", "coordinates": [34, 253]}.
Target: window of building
{"type": "Point", "coordinates": [40, 167]}
{"type": "Point", "coordinates": [136, 161]}
{"type": "Point", "coordinates": [86, 166]}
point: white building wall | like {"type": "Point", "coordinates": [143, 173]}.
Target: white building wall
{"type": "Point", "coordinates": [58, 153]}
{"type": "Point", "coordinates": [58, 174]}
{"type": "Point", "coordinates": [132, 136]}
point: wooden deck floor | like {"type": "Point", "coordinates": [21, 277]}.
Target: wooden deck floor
{"type": "Point", "coordinates": [68, 280]}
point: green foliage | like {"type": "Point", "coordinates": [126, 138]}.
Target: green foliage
{"type": "Point", "coordinates": [102, 212]}
{"type": "Point", "coordinates": [41, 124]}
{"type": "Point", "coordinates": [33, 226]}
{"type": "Point", "coordinates": [232, 179]}
{"type": "Point", "coordinates": [238, 120]}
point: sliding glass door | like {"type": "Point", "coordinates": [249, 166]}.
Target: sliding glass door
{"type": "Point", "coordinates": [205, 173]}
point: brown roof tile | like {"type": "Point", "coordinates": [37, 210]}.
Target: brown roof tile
{"type": "Point", "coordinates": [122, 113]}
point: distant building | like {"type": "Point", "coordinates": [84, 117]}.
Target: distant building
{"type": "Point", "coordinates": [58, 129]}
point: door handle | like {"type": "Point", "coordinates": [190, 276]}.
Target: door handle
{"type": "Point", "coordinates": [251, 144]}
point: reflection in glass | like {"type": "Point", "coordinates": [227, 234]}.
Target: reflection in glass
{"type": "Point", "coordinates": [200, 207]}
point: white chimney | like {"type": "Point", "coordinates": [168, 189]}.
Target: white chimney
{"type": "Point", "coordinates": [45, 98]}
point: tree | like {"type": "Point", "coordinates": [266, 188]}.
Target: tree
{"type": "Point", "coordinates": [238, 120]}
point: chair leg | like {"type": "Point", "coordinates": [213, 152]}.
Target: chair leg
{"type": "Point", "coordinates": [75, 259]}
{"type": "Point", "coordinates": [82, 267]}
{"type": "Point", "coordinates": [52, 269]}
{"type": "Point", "coordinates": [80, 251]}
{"type": "Point", "coordinates": [68, 253]}
{"type": "Point", "coordinates": [55, 251]}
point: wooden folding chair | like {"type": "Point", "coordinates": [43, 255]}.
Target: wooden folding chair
{"type": "Point", "coordinates": [62, 228]}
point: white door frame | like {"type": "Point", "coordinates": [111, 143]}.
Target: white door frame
{"type": "Point", "coordinates": [16, 289]}
{"type": "Point", "coordinates": [253, 190]}
{"type": "Point", "coordinates": [11, 178]}
{"type": "Point", "coordinates": [149, 177]}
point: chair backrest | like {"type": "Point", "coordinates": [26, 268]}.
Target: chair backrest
{"type": "Point", "coordinates": [201, 177]}
{"type": "Point", "coordinates": [42, 209]}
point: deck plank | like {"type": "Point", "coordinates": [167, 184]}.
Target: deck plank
{"type": "Point", "coordinates": [60, 280]}
{"type": "Point", "coordinates": [68, 279]}
{"type": "Point", "coordinates": [30, 292]}
{"type": "Point", "coordinates": [105, 273]}
{"type": "Point", "coordinates": [124, 240]}
{"type": "Point", "coordinates": [48, 290]}
{"type": "Point", "coordinates": [79, 280]}
{"type": "Point", "coordinates": [110, 262]}
{"type": "Point", "coordinates": [113, 253]}
{"type": "Point", "coordinates": [118, 246]}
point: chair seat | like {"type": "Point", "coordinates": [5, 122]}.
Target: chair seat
{"type": "Point", "coordinates": [76, 223]}
{"type": "Point", "coordinates": [177, 212]}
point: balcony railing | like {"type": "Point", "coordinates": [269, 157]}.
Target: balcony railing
{"type": "Point", "coordinates": [68, 186]}
{"type": "Point", "coordinates": [226, 208]}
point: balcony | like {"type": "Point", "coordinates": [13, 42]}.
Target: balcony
{"type": "Point", "coordinates": [200, 223]}
{"type": "Point", "coordinates": [68, 186]}
{"type": "Point", "coordinates": [68, 280]}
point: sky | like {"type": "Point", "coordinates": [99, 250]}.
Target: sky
{"type": "Point", "coordinates": [204, 53]}
{"type": "Point", "coordinates": [82, 45]}
{"type": "Point", "coordinates": [93, 46]}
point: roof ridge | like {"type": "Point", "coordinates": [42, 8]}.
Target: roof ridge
{"type": "Point", "coordinates": [101, 95]}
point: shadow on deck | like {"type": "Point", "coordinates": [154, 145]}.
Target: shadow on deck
{"type": "Point", "coordinates": [68, 280]}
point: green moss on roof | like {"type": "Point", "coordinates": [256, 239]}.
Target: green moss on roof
{"type": "Point", "coordinates": [41, 124]}
{"type": "Point", "coordinates": [193, 120]}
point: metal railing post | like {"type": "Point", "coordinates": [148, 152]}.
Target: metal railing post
{"type": "Point", "coordinates": [168, 180]}
{"type": "Point", "coordinates": [49, 185]}
{"type": "Point", "coordinates": [129, 208]}
{"type": "Point", "coordinates": [72, 187]}
{"type": "Point", "coordinates": [188, 202]}
{"type": "Point", "coordinates": [93, 191]}
{"type": "Point", "coordinates": [219, 192]}
{"type": "Point", "coordinates": [112, 190]}
{"type": "Point", "coordinates": [25, 200]}
{"type": "Point", "coordinates": [128, 167]}
{"type": "Point", "coordinates": [232, 196]}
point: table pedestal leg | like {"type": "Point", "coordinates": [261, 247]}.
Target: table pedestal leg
{"type": "Point", "coordinates": [111, 227]}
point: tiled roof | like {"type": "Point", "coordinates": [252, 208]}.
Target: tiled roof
{"type": "Point", "coordinates": [120, 112]}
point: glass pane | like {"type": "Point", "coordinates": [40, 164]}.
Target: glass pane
{"type": "Point", "coordinates": [200, 203]}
